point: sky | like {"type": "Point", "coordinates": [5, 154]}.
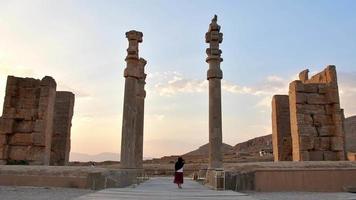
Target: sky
{"type": "Point", "coordinates": [82, 45]}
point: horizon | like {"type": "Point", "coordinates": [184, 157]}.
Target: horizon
{"type": "Point", "coordinates": [82, 45]}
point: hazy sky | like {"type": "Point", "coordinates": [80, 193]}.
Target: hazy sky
{"type": "Point", "coordinates": [266, 44]}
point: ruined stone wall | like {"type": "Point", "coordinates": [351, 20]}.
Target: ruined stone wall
{"type": "Point", "coordinates": [316, 117]}
{"type": "Point", "coordinates": [350, 134]}
{"type": "Point", "coordinates": [27, 121]}
{"type": "Point", "coordinates": [281, 133]}
{"type": "Point", "coordinates": [63, 113]}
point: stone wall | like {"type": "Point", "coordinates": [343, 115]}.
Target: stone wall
{"type": "Point", "coordinates": [26, 123]}
{"type": "Point", "coordinates": [350, 134]}
{"type": "Point", "coordinates": [63, 113]}
{"type": "Point", "coordinates": [316, 119]}
{"type": "Point", "coordinates": [281, 133]}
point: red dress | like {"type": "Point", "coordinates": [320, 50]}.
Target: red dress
{"type": "Point", "coordinates": [178, 177]}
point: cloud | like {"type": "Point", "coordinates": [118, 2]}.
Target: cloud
{"type": "Point", "coordinates": [78, 91]}
{"type": "Point", "coordinates": [169, 84]}
{"type": "Point", "coordinates": [347, 90]}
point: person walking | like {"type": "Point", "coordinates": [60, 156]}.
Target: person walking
{"type": "Point", "coordinates": [178, 175]}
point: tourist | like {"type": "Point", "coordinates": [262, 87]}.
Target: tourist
{"type": "Point", "coordinates": [178, 175]}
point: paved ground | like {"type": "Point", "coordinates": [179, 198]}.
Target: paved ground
{"type": "Point", "coordinates": [302, 196]}
{"type": "Point", "coordinates": [163, 188]}
{"type": "Point", "coordinates": [40, 193]}
{"type": "Point", "coordinates": [159, 188]}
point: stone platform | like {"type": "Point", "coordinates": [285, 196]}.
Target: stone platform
{"type": "Point", "coordinates": [158, 188]}
{"type": "Point", "coordinates": [67, 176]}
{"type": "Point", "coordinates": [319, 176]}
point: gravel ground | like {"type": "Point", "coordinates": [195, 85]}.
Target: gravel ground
{"type": "Point", "coordinates": [302, 196]}
{"type": "Point", "coordinates": [40, 193]}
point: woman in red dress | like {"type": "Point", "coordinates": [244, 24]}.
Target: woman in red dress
{"type": "Point", "coordinates": [178, 175]}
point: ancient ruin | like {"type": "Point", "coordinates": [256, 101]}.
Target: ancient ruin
{"type": "Point", "coordinates": [63, 113]}
{"type": "Point", "coordinates": [316, 119]}
{"type": "Point", "coordinates": [214, 76]}
{"type": "Point", "coordinates": [350, 134]}
{"type": "Point", "coordinates": [281, 135]}
{"type": "Point", "coordinates": [26, 126]}
{"type": "Point", "coordinates": [133, 112]}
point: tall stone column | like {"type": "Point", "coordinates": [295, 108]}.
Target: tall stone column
{"type": "Point", "coordinates": [131, 74]}
{"type": "Point", "coordinates": [141, 94]}
{"type": "Point", "coordinates": [214, 76]}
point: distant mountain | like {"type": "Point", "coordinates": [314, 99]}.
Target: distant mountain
{"type": "Point", "coordinates": [253, 146]}
{"type": "Point", "coordinates": [82, 157]}
{"type": "Point", "coordinates": [101, 157]}
{"type": "Point", "coordinates": [204, 150]}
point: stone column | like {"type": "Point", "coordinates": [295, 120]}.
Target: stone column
{"type": "Point", "coordinates": [281, 133]}
{"type": "Point", "coordinates": [131, 74]}
{"type": "Point", "coordinates": [214, 76]}
{"type": "Point", "coordinates": [141, 94]}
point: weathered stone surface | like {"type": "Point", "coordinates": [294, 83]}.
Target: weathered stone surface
{"type": "Point", "coordinates": [26, 125]}
{"type": "Point", "coordinates": [350, 134]}
{"type": "Point", "coordinates": [132, 125]}
{"type": "Point", "coordinates": [63, 113]}
{"type": "Point", "coordinates": [6, 126]}
{"type": "Point", "coordinates": [21, 139]}
{"type": "Point", "coordinates": [214, 76]}
{"type": "Point", "coordinates": [281, 133]}
{"type": "Point", "coordinates": [316, 118]}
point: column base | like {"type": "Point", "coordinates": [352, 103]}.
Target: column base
{"type": "Point", "coordinates": [215, 178]}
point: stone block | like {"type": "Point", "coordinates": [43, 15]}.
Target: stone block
{"type": "Point", "coordinates": [330, 155]}
{"type": "Point", "coordinates": [36, 153]}
{"type": "Point", "coordinates": [307, 130]}
{"type": "Point", "coordinates": [306, 143]}
{"type": "Point", "coordinates": [21, 139]}
{"type": "Point", "coordinates": [301, 98]}
{"type": "Point", "coordinates": [11, 81]}
{"type": "Point", "coordinates": [296, 86]}
{"type": "Point", "coordinates": [310, 109]}
{"type": "Point", "coordinates": [48, 81]}
{"type": "Point", "coordinates": [322, 143]}
{"type": "Point", "coordinates": [24, 114]}
{"type": "Point", "coordinates": [3, 139]}
{"type": "Point", "coordinates": [323, 119]}
{"type": "Point", "coordinates": [27, 82]}
{"type": "Point", "coordinates": [311, 88]}
{"type": "Point", "coordinates": [323, 89]}
{"type": "Point", "coordinates": [18, 152]}
{"type": "Point", "coordinates": [23, 126]}
{"type": "Point", "coordinates": [38, 125]}
{"type": "Point", "coordinates": [332, 95]}
{"type": "Point", "coordinates": [326, 131]}
{"type": "Point", "coordinates": [9, 113]}
{"type": "Point", "coordinates": [38, 139]}
{"type": "Point", "coordinates": [4, 152]}
{"type": "Point", "coordinates": [315, 98]}
{"type": "Point", "coordinates": [337, 143]}
{"type": "Point", "coordinates": [6, 126]}
{"type": "Point", "coordinates": [304, 156]}
{"type": "Point", "coordinates": [9, 101]}
{"type": "Point", "coordinates": [341, 155]}
{"type": "Point", "coordinates": [27, 93]}
{"type": "Point", "coordinates": [316, 155]}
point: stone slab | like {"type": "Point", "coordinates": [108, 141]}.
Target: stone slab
{"type": "Point", "coordinates": [163, 188]}
{"type": "Point", "coordinates": [66, 176]}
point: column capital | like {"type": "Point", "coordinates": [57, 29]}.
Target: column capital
{"type": "Point", "coordinates": [134, 38]}
{"type": "Point", "coordinates": [214, 38]}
